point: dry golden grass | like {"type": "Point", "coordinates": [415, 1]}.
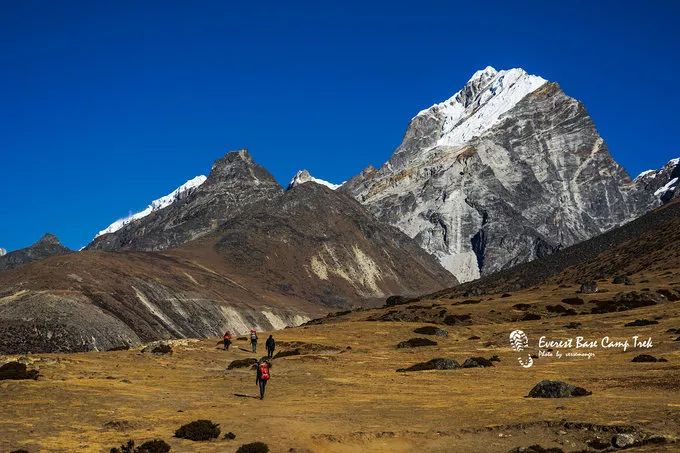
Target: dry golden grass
{"type": "Point", "coordinates": [354, 400]}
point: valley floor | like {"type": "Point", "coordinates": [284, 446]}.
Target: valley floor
{"type": "Point", "coordinates": [350, 398]}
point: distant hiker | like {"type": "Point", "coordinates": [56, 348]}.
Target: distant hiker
{"type": "Point", "coordinates": [262, 376]}
{"type": "Point", "coordinates": [227, 340]}
{"type": "Point", "coordinates": [253, 339]}
{"type": "Point", "coordinates": [271, 345]}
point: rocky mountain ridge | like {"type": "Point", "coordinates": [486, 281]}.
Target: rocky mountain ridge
{"type": "Point", "coordinates": [254, 256]}
{"type": "Point", "coordinates": [507, 170]}
{"type": "Point", "coordinates": [662, 183]}
{"type": "Point", "coordinates": [234, 183]}
{"type": "Point", "coordinates": [45, 247]}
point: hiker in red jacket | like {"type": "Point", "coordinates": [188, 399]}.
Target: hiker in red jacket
{"type": "Point", "coordinates": [263, 368]}
{"type": "Point", "coordinates": [227, 340]}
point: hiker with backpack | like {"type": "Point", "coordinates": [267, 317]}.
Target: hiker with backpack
{"type": "Point", "coordinates": [227, 340]}
{"type": "Point", "coordinates": [271, 345]}
{"type": "Point", "coordinates": [253, 339]}
{"type": "Point", "coordinates": [263, 368]}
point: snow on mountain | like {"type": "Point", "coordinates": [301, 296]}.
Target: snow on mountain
{"type": "Point", "coordinates": [662, 182]}
{"type": "Point", "coordinates": [481, 103]}
{"type": "Point", "coordinates": [507, 170]}
{"type": "Point", "coordinates": [645, 173]}
{"type": "Point", "coordinates": [3, 252]}
{"type": "Point", "coordinates": [669, 186]}
{"type": "Point", "coordinates": [303, 176]}
{"type": "Point", "coordinates": [155, 205]}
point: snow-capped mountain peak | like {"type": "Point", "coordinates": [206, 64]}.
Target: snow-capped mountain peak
{"type": "Point", "coordinates": [303, 176]}
{"type": "Point", "coordinates": [481, 103]}
{"type": "Point", "coordinates": [3, 252]}
{"type": "Point", "coordinates": [155, 205]}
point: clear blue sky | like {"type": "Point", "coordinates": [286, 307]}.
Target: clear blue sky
{"type": "Point", "coordinates": [105, 106]}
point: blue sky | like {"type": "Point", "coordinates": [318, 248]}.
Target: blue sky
{"type": "Point", "coordinates": [105, 106]}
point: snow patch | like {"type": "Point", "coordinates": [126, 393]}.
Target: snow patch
{"type": "Point", "coordinates": [645, 173]}
{"type": "Point", "coordinates": [303, 176]}
{"type": "Point", "coordinates": [481, 103]}
{"type": "Point", "coordinates": [155, 205]}
{"type": "Point", "coordinates": [670, 185]}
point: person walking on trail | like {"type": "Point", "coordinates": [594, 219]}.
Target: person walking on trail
{"type": "Point", "coordinates": [227, 340]}
{"type": "Point", "coordinates": [263, 368]}
{"type": "Point", "coordinates": [253, 339]}
{"type": "Point", "coordinates": [271, 345]}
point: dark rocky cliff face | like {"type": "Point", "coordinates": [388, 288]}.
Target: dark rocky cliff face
{"type": "Point", "coordinates": [663, 183]}
{"type": "Point", "coordinates": [47, 246]}
{"type": "Point", "coordinates": [234, 183]}
{"type": "Point", "coordinates": [484, 191]}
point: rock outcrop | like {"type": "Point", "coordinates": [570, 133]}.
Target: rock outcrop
{"type": "Point", "coordinates": [235, 182]}
{"type": "Point", "coordinates": [662, 183]}
{"type": "Point", "coordinates": [47, 246]}
{"type": "Point", "coordinates": [507, 170]}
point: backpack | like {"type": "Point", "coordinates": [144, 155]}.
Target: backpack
{"type": "Point", "coordinates": [253, 336]}
{"type": "Point", "coordinates": [264, 371]}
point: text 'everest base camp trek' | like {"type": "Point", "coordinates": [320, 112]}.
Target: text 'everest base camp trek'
{"type": "Point", "coordinates": [507, 170]}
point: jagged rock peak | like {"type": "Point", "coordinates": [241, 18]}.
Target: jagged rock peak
{"type": "Point", "coordinates": [662, 183]}
{"type": "Point", "coordinates": [48, 239]}
{"type": "Point", "coordinates": [303, 176]}
{"type": "Point", "coordinates": [481, 103]}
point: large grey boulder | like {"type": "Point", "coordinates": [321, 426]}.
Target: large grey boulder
{"type": "Point", "coordinates": [556, 389]}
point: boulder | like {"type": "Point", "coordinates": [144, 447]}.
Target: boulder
{"type": "Point", "coordinates": [431, 330]}
{"type": "Point", "coordinates": [450, 320]}
{"type": "Point", "coordinates": [627, 301]}
{"type": "Point", "coordinates": [198, 430]}
{"type": "Point", "coordinates": [598, 444]}
{"type": "Point", "coordinates": [416, 343]}
{"type": "Point", "coordinates": [623, 440]}
{"type": "Point", "coordinates": [589, 287]}
{"type": "Point", "coordinates": [622, 280]}
{"type": "Point", "coordinates": [672, 295]}
{"type": "Point", "coordinates": [434, 364]}
{"type": "Point", "coordinates": [395, 300]}
{"type": "Point", "coordinates": [641, 322]}
{"type": "Point", "coordinates": [556, 389]}
{"type": "Point", "coordinates": [573, 301]}
{"type": "Point", "coordinates": [255, 447]}
{"type": "Point", "coordinates": [17, 371]}
{"type": "Point", "coordinates": [477, 362]}
{"type": "Point", "coordinates": [530, 317]}
{"type": "Point", "coordinates": [242, 363]}
{"type": "Point", "coordinates": [647, 358]}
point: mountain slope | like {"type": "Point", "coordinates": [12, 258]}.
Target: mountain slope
{"type": "Point", "coordinates": [235, 182]}
{"type": "Point", "coordinates": [47, 246]}
{"type": "Point", "coordinates": [323, 246]}
{"type": "Point", "coordinates": [649, 243]}
{"type": "Point", "coordinates": [662, 183]}
{"type": "Point", "coordinates": [181, 192]}
{"type": "Point", "coordinates": [276, 262]}
{"type": "Point", "coordinates": [508, 170]}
